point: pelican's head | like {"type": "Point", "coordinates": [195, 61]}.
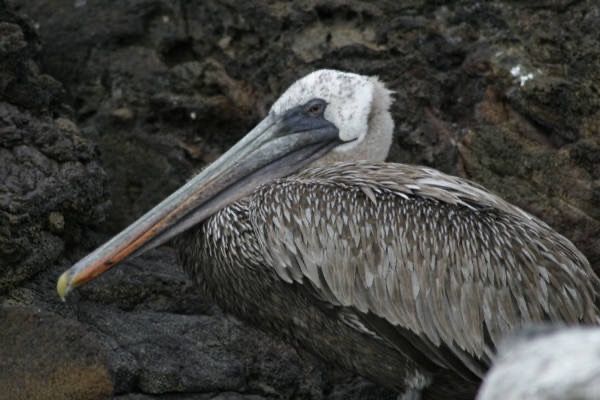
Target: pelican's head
{"type": "Point", "coordinates": [357, 105]}
{"type": "Point", "coordinates": [324, 117]}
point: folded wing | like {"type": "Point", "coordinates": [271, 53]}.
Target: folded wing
{"type": "Point", "coordinates": [429, 254]}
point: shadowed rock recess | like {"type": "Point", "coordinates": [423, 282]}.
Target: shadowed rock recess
{"type": "Point", "coordinates": [106, 107]}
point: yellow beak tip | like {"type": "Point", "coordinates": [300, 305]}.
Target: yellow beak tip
{"type": "Point", "coordinates": [62, 286]}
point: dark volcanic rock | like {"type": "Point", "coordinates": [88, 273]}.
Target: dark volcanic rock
{"type": "Point", "coordinates": [20, 81]}
{"type": "Point", "coordinates": [44, 356]}
{"type": "Point", "coordinates": [50, 185]}
{"type": "Point", "coordinates": [50, 181]}
{"type": "Point", "coordinates": [164, 353]}
{"type": "Point", "coordinates": [501, 92]}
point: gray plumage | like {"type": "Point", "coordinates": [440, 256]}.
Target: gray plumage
{"type": "Point", "coordinates": [547, 363]}
{"type": "Point", "coordinates": [448, 266]}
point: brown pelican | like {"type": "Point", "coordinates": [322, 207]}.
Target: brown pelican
{"type": "Point", "coordinates": [546, 363]}
{"type": "Point", "coordinates": [403, 274]}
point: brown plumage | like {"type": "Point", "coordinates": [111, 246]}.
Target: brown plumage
{"type": "Point", "coordinates": [403, 274]}
{"type": "Point", "coordinates": [404, 256]}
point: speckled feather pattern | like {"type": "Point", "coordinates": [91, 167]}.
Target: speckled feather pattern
{"type": "Point", "coordinates": [227, 261]}
{"type": "Point", "coordinates": [427, 252]}
{"type": "Point", "coordinates": [422, 249]}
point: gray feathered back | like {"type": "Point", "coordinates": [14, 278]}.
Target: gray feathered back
{"type": "Point", "coordinates": [424, 250]}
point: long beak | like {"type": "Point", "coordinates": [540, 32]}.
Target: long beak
{"type": "Point", "coordinates": [276, 147]}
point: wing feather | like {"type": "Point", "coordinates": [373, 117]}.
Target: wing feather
{"type": "Point", "coordinates": [429, 253]}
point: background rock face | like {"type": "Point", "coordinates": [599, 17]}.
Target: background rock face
{"type": "Point", "coordinates": [122, 101]}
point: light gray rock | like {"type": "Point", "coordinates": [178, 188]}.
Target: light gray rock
{"type": "Point", "coordinates": [546, 364]}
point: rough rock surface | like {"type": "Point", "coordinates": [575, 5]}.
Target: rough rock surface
{"type": "Point", "coordinates": [546, 362]}
{"type": "Point", "coordinates": [50, 186]}
{"type": "Point", "coordinates": [50, 181]}
{"type": "Point", "coordinates": [72, 365]}
{"type": "Point", "coordinates": [501, 92]}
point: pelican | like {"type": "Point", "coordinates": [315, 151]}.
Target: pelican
{"type": "Point", "coordinates": [400, 273]}
{"type": "Point", "coordinates": [546, 363]}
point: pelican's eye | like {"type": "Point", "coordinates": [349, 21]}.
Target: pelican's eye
{"type": "Point", "coordinates": [315, 107]}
